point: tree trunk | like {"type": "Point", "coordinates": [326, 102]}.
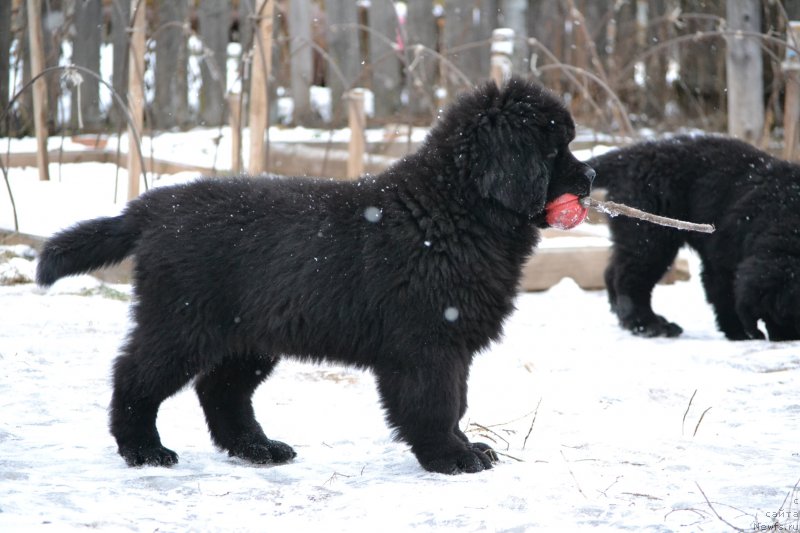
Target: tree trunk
{"type": "Point", "coordinates": [344, 65]}
{"type": "Point", "coordinates": [384, 58]}
{"type": "Point", "coordinates": [171, 106]}
{"type": "Point", "coordinates": [85, 107]}
{"type": "Point", "coordinates": [213, 20]}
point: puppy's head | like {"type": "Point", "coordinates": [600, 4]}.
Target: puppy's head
{"type": "Point", "coordinates": [511, 147]}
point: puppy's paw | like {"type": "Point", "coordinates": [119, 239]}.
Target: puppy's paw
{"type": "Point", "coordinates": [657, 326]}
{"type": "Point", "coordinates": [476, 458]}
{"type": "Point", "coordinates": [148, 455]}
{"type": "Point", "coordinates": [263, 451]}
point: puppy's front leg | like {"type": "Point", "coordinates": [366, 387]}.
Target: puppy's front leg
{"type": "Point", "coordinates": [423, 398]}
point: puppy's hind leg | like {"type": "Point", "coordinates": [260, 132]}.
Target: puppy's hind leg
{"type": "Point", "coordinates": [423, 401]}
{"type": "Point", "coordinates": [145, 375]}
{"type": "Point", "coordinates": [225, 393]}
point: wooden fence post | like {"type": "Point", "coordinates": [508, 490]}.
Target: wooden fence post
{"type": "Point", "coordinates": [745, 71]}
{"type": "Point", "coordinates": [791, 107]}
{"type": "Point", "coordinates": [235, 114]}
{"type": "Point", "coordinates": [39, 86]}
{"type": "Point", "coordinates": [356, 120]}
{"type": "Point", "coordinates": [259, 86]}
{"type": "Point", "coordinates": [514, 15]}
{"type": "Point", "coordinates": [136, 94]}
{"type": "Point", "coordinates": [502, 52]}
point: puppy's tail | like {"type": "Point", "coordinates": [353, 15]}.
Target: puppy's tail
{"type": "Point", "coordinates": [87, 246]}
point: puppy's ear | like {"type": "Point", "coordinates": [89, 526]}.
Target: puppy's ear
{"type": "Point", "coordinates": [518, 182]}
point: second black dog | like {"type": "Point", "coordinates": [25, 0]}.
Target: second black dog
{"type": "Point", "coordinates": [750, 263]}
{"type": "Point", "coordinates": [408, 273]}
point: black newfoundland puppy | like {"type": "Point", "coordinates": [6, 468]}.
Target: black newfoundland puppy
{"type": "Point", "coordinates": [751, 263]}
{"type": "Point", "coordinates": [408, 273]}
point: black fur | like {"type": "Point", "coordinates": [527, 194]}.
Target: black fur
{"type": "Point", "coordinates": [408, 273]}
{"type": "Point", "coordinates": [750, 262]}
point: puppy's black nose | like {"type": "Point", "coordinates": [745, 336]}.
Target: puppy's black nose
{"type": "Point", "coordinates": [590, 174]}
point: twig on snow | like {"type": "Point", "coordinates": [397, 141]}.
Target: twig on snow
{"type": "Point", "coordinates": [577, 485]}
{"type": "Point", "coordinates": [698, 422]}
{"type": "Point", "coordinates": [613, 209]}
{"type": "Point", "coordinates": [683, 423]}
{"type": "Point", "coordinates": [708, 502]}
{"type": "Point", "coordinates": [536, 412]}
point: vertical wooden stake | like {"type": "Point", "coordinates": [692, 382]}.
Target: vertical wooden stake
{"type": "Point", "coordinates": [259, 86]}
{"type": "Point", "coordinates": [235, 117]}
{"type": "Point", "coordinates": [39, 86]}
{"type": "Point", "coordinates": [502, 50]}
{"type": "Point", "coordinates": [791, 114]}
{"type": "Point", "coordinates": [136, 94]}
{"type": "Point", "coordinates": [791, 106]}
{"type": "Point", "coordinates": [356, 121]}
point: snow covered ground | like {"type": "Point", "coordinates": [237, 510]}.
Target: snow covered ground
{"type": "Point", "coordinates": [598, 429]}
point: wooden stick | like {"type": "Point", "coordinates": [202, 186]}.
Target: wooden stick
{"type": "Point", "coordinates": [613, 209]}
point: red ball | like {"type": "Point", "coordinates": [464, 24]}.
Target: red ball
{"type": "Point", "coordinates": [565, 212]}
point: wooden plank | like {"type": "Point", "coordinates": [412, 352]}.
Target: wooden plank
{"type": "Point", "coordinates": [384, 58]}
{"type": "Point", "coordinates": [5, 57]}
{"type": "Point", "coordinates": [301, 58]}
{"type": "Point", "coordinates": [585, 265]}
{"type": "Point", "coordinates": [344, 63]}
{"type": "Point", "coordinates": [745, 72]}
{"type": "Point", "coordinates": [466, 24]}
{"type": "Point", "coordinates": [171, 103]}
{"type": "Point", "coordinates": [85, 98]}
{"type": "Point", "coordinates": [424, 66]}
{"type": "Point", "coordinates": [136, 94]}
{"type": "Point", "coordinates": [39, 87]}
{"type": "Point", "coordinates": [120, 18]}
{"type": "Point", "coordinates": [157, 166]}
{"type": "Point", "coordinates": [259, 86]}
